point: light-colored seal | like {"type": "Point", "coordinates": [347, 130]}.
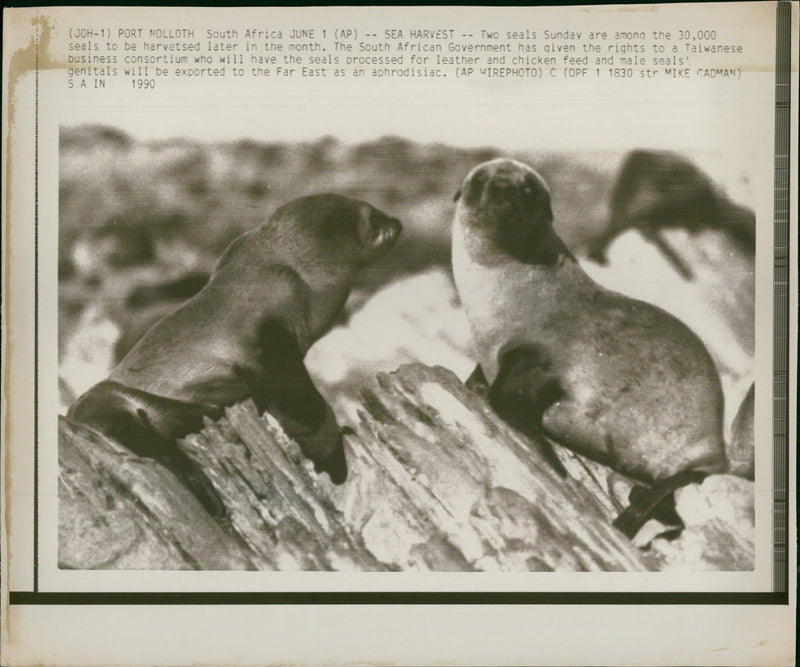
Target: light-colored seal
{"type": "Point", "coordinates": [617, 380]}
{"type": "Point", "coordinates": [275, 290]}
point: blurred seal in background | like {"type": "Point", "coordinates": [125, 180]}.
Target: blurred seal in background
{"type": "Point", "coordinates": [657, 190]}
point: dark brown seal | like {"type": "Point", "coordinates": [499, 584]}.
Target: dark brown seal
{"type": "Point", "coordinates": [617, 380]}
{"type": "Point", "coordinates": [275, 291]}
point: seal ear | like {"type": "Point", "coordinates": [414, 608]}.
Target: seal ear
{"type": "Point", "coordinates": [457, 195]}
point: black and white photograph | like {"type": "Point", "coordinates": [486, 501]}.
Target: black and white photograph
{"type": "Point", "coordinates": [455, 335]}
{"type": "Point", "coordinates": [402, 356]}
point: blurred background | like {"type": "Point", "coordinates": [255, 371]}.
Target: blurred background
{"type": "Point", "coordinates": [142, 223]}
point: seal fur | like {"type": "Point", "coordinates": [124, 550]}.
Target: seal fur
{"type": "Point", "coordinates": [615, 379]}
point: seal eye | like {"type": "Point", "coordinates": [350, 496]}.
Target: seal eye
{"type": "Point", "coordinates": [457, 195]}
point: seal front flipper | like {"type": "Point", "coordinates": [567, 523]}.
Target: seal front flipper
{"type": "Point", "coordinates": [655, 502]}
{"type": "Point", "coordinates": [681, 268]}
{"type": "Point", "coordinates": [284, 388]}
{"type": "Point", "coordinates": [327, 438]}
{"type": "Point", "coordinates": [523, 389]}
{"type": "Point", "coordinates": [149, 426]}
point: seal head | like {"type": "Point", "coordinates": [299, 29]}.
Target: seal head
{"type": "Point", "coordinates": [508, 205]}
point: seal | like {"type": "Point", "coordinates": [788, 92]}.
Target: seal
{"type": "Point", "coordinates": [275, 290]}
{"type": "Point", "coordinates": [658, 190]}
{"type": "Point", "coordinates": [615, 379]}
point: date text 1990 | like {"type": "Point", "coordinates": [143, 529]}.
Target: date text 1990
{"type": "Point", "coordinates": [143, 84]}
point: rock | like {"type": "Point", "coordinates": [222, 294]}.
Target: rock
{"type": "Point", "coordinates": [436, 482]}
{"type": "Point", "coordinates": [719, 535]}
{"type": "Point", "coordinates": [117, 511]}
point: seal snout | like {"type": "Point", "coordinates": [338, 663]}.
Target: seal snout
{"type": "Point", "coordinates": [501, 185]}
{"type": "Point", "coordinates": [506, 206]}
{"type": "Point", "coordinates": [502, 181]}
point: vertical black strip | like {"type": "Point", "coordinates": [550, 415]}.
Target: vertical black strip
{"type": "Point", "coordinates": [780, 368]}
{"type": "Point", "coordinates": [36, 314]}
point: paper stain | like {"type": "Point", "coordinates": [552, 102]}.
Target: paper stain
{"type": "Point", "coordinates": [32, 57]}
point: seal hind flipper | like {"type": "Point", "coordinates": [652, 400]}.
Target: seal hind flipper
{"type": "Point", "coordinates": [142, 439]}
{"type": "Point", "coordinates": [664, 511]}
{"type": "Point", "coordinates": [655, 501]}
{"type": "Point", "coordinates": [169, 418]}
{"type": "Point", "coordinates": [149, 426]}
{"type": "Point", "coordinates": [523, 389]}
